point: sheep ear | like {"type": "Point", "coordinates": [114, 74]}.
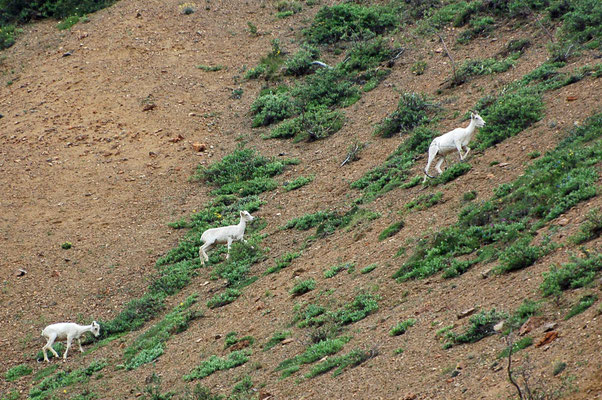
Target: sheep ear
{"type": "Point", "coordinates": [242, 213]}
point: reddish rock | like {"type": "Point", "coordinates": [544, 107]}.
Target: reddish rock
{"type": "Point", "coordinates": [529, 325]}
{"type": "Point", "coordinates": [466, 313]}
{"type": "Point", "coordinates": [199, 147]}
{"type": "Point", "coordinates": [548, 338]}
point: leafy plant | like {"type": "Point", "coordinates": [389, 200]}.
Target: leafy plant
{"type": "Point", "coordinates": [283, 262]}
{"type": "Point", "coordinates": [17, 372]}
{"type": "Point", "coordinates": [402, 327]}
{"type": "Point", "coordinates": [391, 230]}
{"type": "Point", "coordinates": [577, 273]}
{"type": "Point", "coordinates": [412, 111]}
{"type": "Point", "coordinates": [349, 360]}
{"type": "Point", "coordinates": [334, 270]}
{"type": "Point", "coordinates": [584, 303]}
{"type": "Point", "coordinates": [590, 229]}
{"type": "Point", "coordinates": [224, 298]}
{"type": "Point", "coordinates": [516, 346]}
{"type": "Point", "coordinates": [481, 326]}
{"type": "Point", "coordinates": [312, 354]}
{"type": "Point", "coordinates": [368, 269]}
{"type": "Point", "coordinates": [215, 363]}
{"type": "Point", "coordinates": [424, 201]}
{"type": "Point", "coordinates": [519, 255]}
{"type": "Point", "coordinates": [276, 338]}
{"type": "Point", "coordinates": [301, 62]}
{"type": "Point", "coordinates": [303, 287]}
{"type": "Point", "coordinates": [347, 21]}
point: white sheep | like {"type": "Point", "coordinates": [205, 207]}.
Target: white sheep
{"type": "Point", "coordinates": [69, 331]}
{"type": "Point", "coordinates": [456, 139]}
{"type": "Point", "coordinates": [224, 234]}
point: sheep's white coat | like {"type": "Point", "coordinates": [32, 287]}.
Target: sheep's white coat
{"type": "Point", "coordinates": [456, 139]}
{"type": "Point", "coordinates": [69, 331]}
{"type": "Point", "coordinates": [224, 235]}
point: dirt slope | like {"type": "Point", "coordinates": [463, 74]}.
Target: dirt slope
{"type": "Point", "coordinates": [82, 161]}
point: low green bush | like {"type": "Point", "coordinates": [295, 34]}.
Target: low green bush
{"type": "Point", "coordinates": [424, 201]}
{"type": "Point", "coordinates": [224, 298]}
{"type": "Point", "coordinates": [519, 255]}
{"type": "Point", "coordinates": [349, 21]}
{"type": "Point", "coordinates": [481, 325]}
{"type": "Point", "coordinates": [333, 271]}
{"type": "Point", "coordinates": [276, 338]}
{"type": "Point", "coordinates": [523, 343]}
{"type": "Point", "coordinates": [349, 360]}
{"type": "Point", "coordinates": [584, 303]}
{"type": "Point", "coordinates": [391, 230]}
{"type": "Point", "coordinates": [413, 110]}
{"type": "Point", "coordinates": [283, 262]}
{"type": "Point", "coordinates": [590, 229]}
{"type": "Point", "coordinates": [301, 62]}
{"type": "Point", "coordinates": [17, 372]}
{"type": "Point", "coordinates": [215, 363]}
{"type": "Point", "coordinates": [402, 327]}
{"type": "Point", "coordinates": [478, 26]}
{"type": "Point", "coordinates": [312, 354]}
{"type": "Point", "coordinates": [303, 287]}
{"type": "Point", "coordinates": [65, 378]}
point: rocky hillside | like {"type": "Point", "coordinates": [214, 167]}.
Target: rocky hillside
{"type": "Point", "coordinates": [128, 134]}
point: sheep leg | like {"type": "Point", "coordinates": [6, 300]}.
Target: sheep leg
{"type": "Point", "coordinates": [48, 346]}
{"type": "Point", "coordinates": [69, 340]}
{"type": "Point", "coordinates": [467, 150]}
{"type": "Point", "coordinates": [229, 245]}
{"type": "Point", "coordinates": [438, 166]}
{"type": "Point", "coordinates": [459, 147]}
{"type": "Point", "coordinates": [80, 345]}
{"type": "Point", "coordinates": [432, 154]}
{"type": "Point", "coordinates": [202, 254]}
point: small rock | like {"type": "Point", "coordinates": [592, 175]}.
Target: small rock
{"type": "Point", "coordinates": [287, 341]}
{"type": "Point", "coordinates": [410, 396]}
{"type": "Point", "coordinates": [563, 221]}
{"type": "Point", "coordinates": [148, 107]}
{"type": "Point", "coordinates": [529, 325]}
{"type": "Point", "coordinates": [466, 313]}
{"type": "Point", "coordinates": [67, 54]}
{"type": "Point", "coordinates": [550, 326]}
{"type": "Point", "coordinates": [218, 336]}
{"type": "Point", "coordinates": [461, 365]}
{"type": "Point", "coordinates": [548, 338]}
{"type": "Point", "coordinates": [499, 326]}
{"type": "Point", "coordinates": [485, 274]}
{"type": "Point", "coordinates": [571, 98]}
{"type": "Point", "coordinates": [199, 147]}
{"type": "Point", "coordinates": [177, 139]}
{"type": "Point", "coordinates": [20, 272]}
{"type": "Point", "coordinates": [504, 164]}
{"type": "Point", "coordinates": [56, 273]}
{"type": "Point", "coordinates": [439, 50]}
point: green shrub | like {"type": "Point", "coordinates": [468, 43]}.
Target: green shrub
{"type": "Point", "coordinates": [516, 346]}
{"type": "Point", "coordinates": [527, 309]}
{"type": "Point", "coordinates": [590, 229]}
{"type": "Point", "coordinates": [509, 115]}
{"type": "Point", "coordinates": [486, 66]}
{"type": "Point", "coordinates": [419, 67]}
{"type": "Point", "coordinates": [222, 299]}
{"type": "Point", "coordinates": [65, 378]}
{"type": "Point", "coordinates": [211, 68]}
{"type": "Point", "coordinates": [328, 88]}
{"type": "Point", "coordinates": [136, 313]}
{"type": "Point", "coordinates": [68, 22]}
{"type": "Point", "coordinates": [300, 63]}
{"type": "Point", "coordinates": [308, 221]}
{"type": "Point", "coordinates": [352, 359]}
{"type": "Point", "coordinates": [394, 171]}
{"type": "Point", "coordinates": [276, 338]}
{"type": "Point", "coordinates": [519, 255]}
{"type": "Point", "coordinates": [303, 287]}
{"type": "Point", "coordinates": [478, 27]}
{"type": "Point", "coordinates": [272, 107]}
{"type": "Point", "coordinates": [575, 274]}
{"type": "Point", "coordinates": [584, 22]}
{"type": "Point", "coordinates": [313, 353]}
{"type": "Point", "coordinates": [481, 326]}
{"type": "Point", "coordinates": [368, 269]}
{"type": "Point", "coordinates": [412, 111]}
{"type": "Point", "coordinates": [584, 303]}
{"type": "Point", "coordinates": [469, 196]}
{"type": "Point", "coordinates": [348, 21]}
{"type": "Point", "coordinates": [283, 262]}
{"type": "Point", "coordinates": [391, 230]}
{"type": "Point", "coordinates": [297, 183]}
{"type": "Point", "coordinates": [424, 201]}
{"type": "Point", "coordinates": [402, 327]}
{"type": "Point", "coordinates": [314, 124]}
{"type": "Point", "coordinates": [367, 54]}
{"type": "Point", "coordinates": [7, 36]}
{"type": "Point", "coordinates": [559, 367]}
{"type": "Point", "coordinates": [215, 363]}
{"type": "Point", "coordinates": [18, 371]}
{"type": "Point", "coordinates": [150, 345]}
{"type": "Point", "coordinates": [231, 339]}
{"type": "Point", "coordinates": [333, 271]}
{"type": "Point", "coordinates": [363, 305]}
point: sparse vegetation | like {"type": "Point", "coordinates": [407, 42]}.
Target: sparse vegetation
{"type": "Point", "coordinates": [517, 346]}
{"type": "Point", "coordinates": [65, 378]}
{"type": "Point", "coordinates": [413, 110]}
{"type": "Point", "coordinates": [215, 363]}
{"type": "Point", "coordinates": [402, 327]}
{"type": "Point", "coordinates": [575, 274]}
{"type": "Point", "coordinates": [283, 262]}
{"type": "Point", "coordinates": [349, 360]}
{"type": "Point", "coordinates": [391, 230]}
{"type": "Point", "coordinates": [17, 372]}
{"type": "Point", "coordinates": [590, 229]}
{"type": "Point", "coordinates": [334, 270]}
{"type": "Point", "coordinates": [424, 201]}
{"type": "Point", "coordinates": [481, 326]}
{"type": "Point", "coordinates": [583, 304]}
{"type": "Point", "coordinates": [275, 339]}
{"type": "Point", "coordinates": [303, 287]}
